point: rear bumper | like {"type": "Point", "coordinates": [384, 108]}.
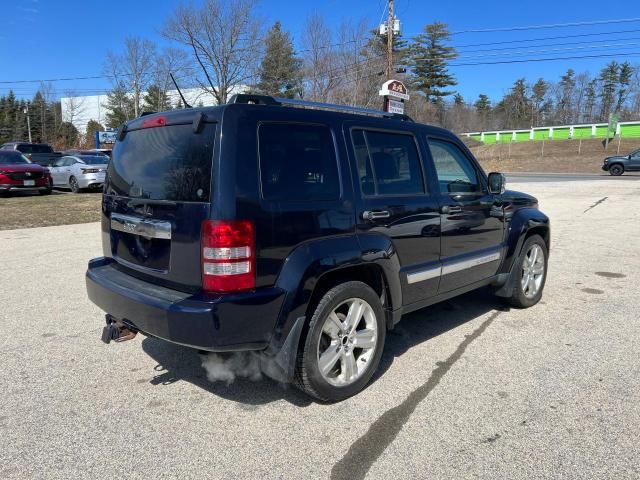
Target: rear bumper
{"type": "Point", "coordinates": [216, 323]}
{"type": "Point", "coordinates": [21, 188]}
{"type": "Point", "coordinates": [90, 180]}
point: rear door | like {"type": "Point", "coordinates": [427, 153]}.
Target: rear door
{"type": "Point", "coordinates": [394, 201]}
{"type": "Point", "coordinates": [157, 193]}
{"type": "Point", "coordinates": [57, 170]}
{"type": "Point", "coordinates": [472, 220]}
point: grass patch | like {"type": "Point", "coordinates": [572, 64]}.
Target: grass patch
{"type": "Point", "coordinates": [59, 208]}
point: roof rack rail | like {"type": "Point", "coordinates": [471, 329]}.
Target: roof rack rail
{"type": "Point", "coordinates": [268, 100]}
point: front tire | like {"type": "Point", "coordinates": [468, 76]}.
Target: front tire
{"type": "Point", "coordinates": [616, 170]}
{"type": "Point", "coordinates": [344, 343]}
{"type": "Point", "coordinates": [530, 273]}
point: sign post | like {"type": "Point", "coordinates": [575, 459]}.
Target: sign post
{"type": "Point", "coordinates": [395, 94]}
{"type": "Point", "coordinates": [613, 125]}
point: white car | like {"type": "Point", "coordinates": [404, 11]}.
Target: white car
{"type": "Point", "coordinates": [79, 171]}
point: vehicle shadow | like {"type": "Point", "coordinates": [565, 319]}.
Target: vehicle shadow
{"type": "Point", "coordinates": [176, 363]}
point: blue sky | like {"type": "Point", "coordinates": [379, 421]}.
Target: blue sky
{"type": "Point", "coordinates": [45, 39]}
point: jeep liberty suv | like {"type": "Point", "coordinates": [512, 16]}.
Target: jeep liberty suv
{"type": "Point", "coordinates": [304, 231]}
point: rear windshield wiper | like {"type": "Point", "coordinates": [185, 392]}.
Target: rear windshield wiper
{"type": "Point", "coordinates": [148, 201]}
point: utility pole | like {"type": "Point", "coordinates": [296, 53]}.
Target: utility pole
{"type": "Point", "coordinates": [390, 42]}
{"type": "Point", "coordinates": [26, 112]}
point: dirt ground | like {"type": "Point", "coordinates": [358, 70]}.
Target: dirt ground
{"type": "Point", "coordinates": [59, 208]}
{"type": "Point", "coordinates": [565, 156]}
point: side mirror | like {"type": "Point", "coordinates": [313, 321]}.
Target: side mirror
{"type": "Point", "coordinates": [497, 183]}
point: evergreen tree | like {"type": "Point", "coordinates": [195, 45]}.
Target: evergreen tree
{"type": "Point", "coordinates": [565, 102]}
{"type": "Point", "coordinates": [429, 56]}
{"type": "Point", "coordinates": [119, 107]}
{"type": "Point", "coordinates": [280, 70]}
{"type": "Point", "coordinates": [516, 106]}
{"type": "Point", "coordinates": [90, 135]}
{"type": "Point", "coordinates": [609, 77]}
{"type": "Point", "coordinates": [624, 80]}
{"type": "Point", "coordinates": [539, 90]}
{"type": "Point", "coordinates": [483, 104]}
{"type": "Point", "coordinates": [590, 97]}
{"type": "Point", "coordinates": [67, 135]}
{"type": "Point", "coordinates": [156, 100]}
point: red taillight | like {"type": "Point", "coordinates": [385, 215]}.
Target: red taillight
{"type": "Point", "coordinates": [154, 122]}
{"type": "Point", "coordinates": [228, 256]}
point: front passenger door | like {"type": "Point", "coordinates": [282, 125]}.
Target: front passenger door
{"type": "Point", "coordinates": [634, 161]}
{"type": "Point", "coordinates": [472, 221]}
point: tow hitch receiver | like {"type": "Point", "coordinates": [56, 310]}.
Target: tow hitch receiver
{"type": "Point", "coordinates": [116, 330]}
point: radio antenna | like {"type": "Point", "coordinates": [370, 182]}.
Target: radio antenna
{"type": "Point", "coordinates": [186, 105]}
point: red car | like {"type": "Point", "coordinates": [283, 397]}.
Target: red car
{"type": "Point", "coordinates": [18, 174]}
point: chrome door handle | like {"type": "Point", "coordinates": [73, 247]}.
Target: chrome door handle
{"type": "Point", "coordinates": [451, 209]}
{"type": "Point", "coordinates": [375, 215]}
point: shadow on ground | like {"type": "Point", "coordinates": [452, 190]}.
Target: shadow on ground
{"type": "Point", "coordinates": [176, 363]}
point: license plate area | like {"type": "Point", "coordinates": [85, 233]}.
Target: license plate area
{"type": "Point", "coordinates": [29, 183]}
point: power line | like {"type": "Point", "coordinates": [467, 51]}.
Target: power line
{"type": "Point", "coordinates": [540, 39]}
{"type": "Point", "coordinates": [552, 25]}
{"type": "Point", "coordinates": [551, 50]}
{"type": "Point", "coordinates": [533, 60]}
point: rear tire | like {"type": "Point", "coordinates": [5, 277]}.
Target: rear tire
{"type": "Point", "coordinates": [343, 344]}
{"type": "Point", "coordinates": [616, 170]}
{"type": "Point", "coordinates": [73, 184]}
{"type": "Point", "coordinates": [530, 273]}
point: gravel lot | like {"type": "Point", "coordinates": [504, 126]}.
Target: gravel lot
{"type": "Point", "coordinates": [467, 388]}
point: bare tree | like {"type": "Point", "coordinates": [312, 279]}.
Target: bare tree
{"type": "Point", "coordinates": [352, 65]}
{"type": "Point", "coordinates": [223, 36]}
{"type": "Point", "coordinates": [73, 106]}
{"type": "Point", "coordinates": [320, 60]}
{"type": "Point", "coordinates": [132, 71]}
{"type": "Point", "coordinates": [175, 61]}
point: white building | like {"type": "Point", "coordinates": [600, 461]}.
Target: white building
{"type": "Point", "coordinates": [80, 110]}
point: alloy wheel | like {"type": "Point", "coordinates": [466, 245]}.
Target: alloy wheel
{"type": "Point", "coordinates": [533, 271]}
{"type": "Point", "coordinates": [347, 343]}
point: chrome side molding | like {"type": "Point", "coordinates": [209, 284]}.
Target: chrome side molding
{"type": "Point", "coordinates": [470, 263]}
{"type": "Point", "coordinates": [447, 268]}
{"type": "Point", "coordinates": [423, 275]}
{"type": "Point", "coordinates": [145, 227]}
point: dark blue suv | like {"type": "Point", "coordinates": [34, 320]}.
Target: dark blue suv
{"type": "Point", "coordinates": [304, 231]}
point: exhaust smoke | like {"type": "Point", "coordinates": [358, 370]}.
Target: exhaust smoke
{"type": "Point", "coordinates": [226, 367]}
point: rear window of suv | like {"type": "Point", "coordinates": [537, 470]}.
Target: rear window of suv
{"type": "Point", "coordinates": [163, 163]}
{"type": "Point", "coordinates": [298, 162]}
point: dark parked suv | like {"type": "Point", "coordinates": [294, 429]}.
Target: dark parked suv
{"type": "Point", "coordinates": [303, 231]}
{"type": "Point", "coordinates": [619, 164]}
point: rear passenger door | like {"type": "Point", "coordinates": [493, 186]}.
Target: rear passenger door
{"type": "Point", "coordinates": [472, 220]}
{"type": "Point", "coordinates": [392, 199]}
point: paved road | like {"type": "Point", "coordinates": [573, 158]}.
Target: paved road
{"type": "Point", "coordinates": [520, 177]}
{"type": "Point", "coordinates": [467, 389]}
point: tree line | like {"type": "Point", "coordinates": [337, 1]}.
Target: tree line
{"type": "Point", "coordinates": [223, 46]}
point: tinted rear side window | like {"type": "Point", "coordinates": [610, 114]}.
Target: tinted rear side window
{"type": "Point", "coordinates": [163, 163]}
{"type": "Point", "coordinates": [298, 162]}
{"type": "Point", "coordinates": [388, 163]}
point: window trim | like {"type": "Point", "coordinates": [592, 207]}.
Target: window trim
{"type": "Point", "coordinates": [482, 178]}
{"type": "Point", "coordinates": [340, 196]}
{"type": "Point", "coordinates": [425, 185]}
